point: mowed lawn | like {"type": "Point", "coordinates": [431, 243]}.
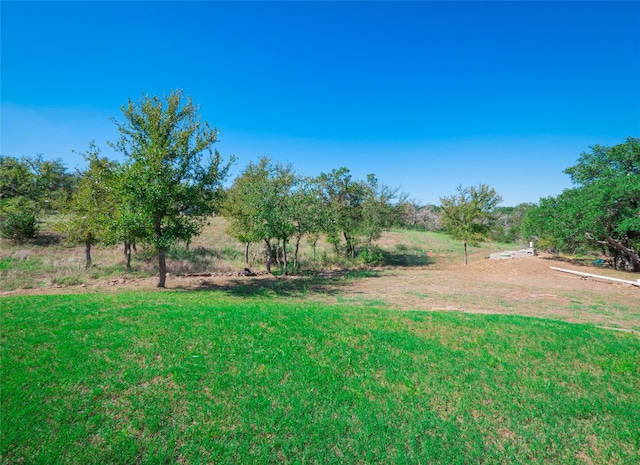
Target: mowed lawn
{"type": "Point", "coordinates": [202, 377]}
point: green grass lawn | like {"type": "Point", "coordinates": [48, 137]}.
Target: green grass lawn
{"type": "Point", "coordinates": [203, 377]}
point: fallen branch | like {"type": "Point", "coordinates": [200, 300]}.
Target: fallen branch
{"type": "Point", "coordinates": [579, 273]}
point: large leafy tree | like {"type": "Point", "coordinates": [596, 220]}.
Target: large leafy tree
{"type": "Point", "coordinates": [603, 210]}
{"type": "Point", "coordinates": [169, 186]}
{"type": "Point", "coordinates": [469, 215]}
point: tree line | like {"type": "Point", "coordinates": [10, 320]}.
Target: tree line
{"type": "Point", "coordinates": [172, 180]}
{"type": "Point", "coordinates": [272, 204]}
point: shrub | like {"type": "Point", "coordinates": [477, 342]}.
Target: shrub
{"type": "Point", "coordinates": [18, 221]}
{"type": "Point", "coordinates": [372, 256]}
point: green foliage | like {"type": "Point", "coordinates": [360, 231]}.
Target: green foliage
{"type": "Point", "coordinates": [379, 212]}
{"type": "Point", "coordinates": [54, 185]}
{"type": "Point", "coordinates": [18, 220]}
{"type": "Point", "coordinates": [308, 214]}
{"type": "Point", "coordinates": [343, 200]}
{"type": "Point", "coordinates": [356, 211]}
{"type": "Point", "coordinates": [269, 202]}
{"type": "Point", "coordinates": [167, 187]}
{"type": "Point", "coordinates": [16, 179]}
{"type": "Point", "coordinates": [259, 204]}
{"type": "Point", "coordinates": [603, 211]}
{"type": "Point", "coordinates": [469, 215]}
{"type": "Point", "coordinates": [607, 163]}
{"type": "Point", "coordinates": [28, 187]}
{"type": "Point", "coordinates": [93, 203]}
{"type": "Point", "coordinates": [44, 182]}
{"type": "Point", "coordinates": [372, 256]}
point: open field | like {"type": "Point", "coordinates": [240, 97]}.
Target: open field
{"type": "Point", "coordinates": [421, 361]}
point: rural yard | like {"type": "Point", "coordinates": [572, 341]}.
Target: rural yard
{"type": "Point", "coordinates": [320, 233]}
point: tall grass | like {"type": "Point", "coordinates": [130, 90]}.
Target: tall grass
{"type": "Point", "coordinates": [204, 377]}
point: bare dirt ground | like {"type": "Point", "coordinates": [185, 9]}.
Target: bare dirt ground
{"type": "Point", "coordinates": [525, 286]}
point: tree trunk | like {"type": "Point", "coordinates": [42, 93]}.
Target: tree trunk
{"type": "Point", "coordinates": [629, 255]}
{"type": "Point", "coordinates": [162, 253]}
{"type": "Point", "coordinates": [269, 253]}
{"type": "Point", "coordinates": [127, 254]}
{"type": "Point", "coordinates": [336, 248]}
{"type": "Point", "coordinates": [87, 252]}
{"type": "Point", "coordinates": [284, 255]}
{"type": "Point", "coordinates": [162, 267]}
{"type": "Point", "coordinates": [350, 250]}
{"type": "Point", "coordinates": [246, 252]}
{"type": "Point", "coordinates": [295, 253]}
{"type": "Point", "coordinates": [465, 252]}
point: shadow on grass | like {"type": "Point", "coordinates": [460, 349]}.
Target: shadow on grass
{"type": "Point", "coordinates": [325, 283]}
{"type": "Point", "coordinates": [406, 259]}
{"type": "Point", "coordinates": [573, 261]}
{"type": "Point", "coordinates": [45, 238]}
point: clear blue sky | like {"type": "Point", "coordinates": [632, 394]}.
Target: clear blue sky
{"type": "Point", "coordinates": [426, 95]}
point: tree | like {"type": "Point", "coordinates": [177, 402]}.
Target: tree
{"type": "Point", "coordinates": [356, 211]}
{"type": "Point", "coordinates": [93, 203]}
{"type": "Point", "coordinates": [18, 219]}
{"type": "Point", "coordinates": [53, 184]}
{"type": "Point", "coordinates": [469, 215]}
{"type": "Point", "coordinates": [343, 198]}
{"type": "Point", "coordinates": [307, 213]}
{"type": "Point", "coordinates": [167, 186]}
{"type": "Point", "coordinates": [607, 163]}
{"type": "Point", "coordinates": [379, 212]}
{"type": "Point", "coordinates": [29, 186]}
{"type": "Point", "coordinates": [16, 179]}
{"type": "Point", "coordinates": [508, 227]}
{"type": "Point", "coordinates": [259, 206]}
{"type": "Point", "coordinates": [416, 216]}
{"type": "Point", "coordinates": [602, 211]}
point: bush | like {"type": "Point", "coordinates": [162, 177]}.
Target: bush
{"type": "Point", "coordinates": [18, 220]}
{"type": "Point", "coordinates": [290, 270]}
{"type": "Point", "coordinates": [372, 256]}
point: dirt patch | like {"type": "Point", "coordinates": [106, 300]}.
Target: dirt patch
{"type": "Point", "coordinates": [524, 286]}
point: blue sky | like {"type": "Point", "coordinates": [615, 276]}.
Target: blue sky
{"type": "Point", "coordinates": [426, 95]}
